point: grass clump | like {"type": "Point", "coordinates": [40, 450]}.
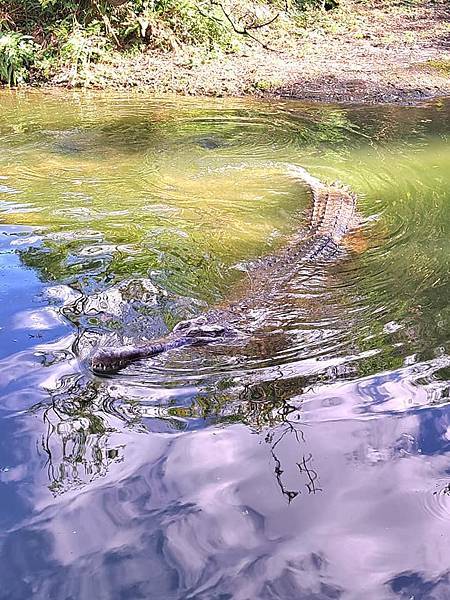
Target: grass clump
{"type": "Point", "coordinates": [79, 51]}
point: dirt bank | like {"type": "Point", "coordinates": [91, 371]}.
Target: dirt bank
{"type": "Point", "coordinates": [392, 53]}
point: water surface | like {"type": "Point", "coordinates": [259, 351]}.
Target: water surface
{"type": "Point", "coordinates": [311, 461]}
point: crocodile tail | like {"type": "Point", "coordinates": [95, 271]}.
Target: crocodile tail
{"type": "Point", "coordinates": [301, 173]}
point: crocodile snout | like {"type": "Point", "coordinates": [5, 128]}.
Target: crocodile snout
{"type": "Point", "coordinates": [107, 362]}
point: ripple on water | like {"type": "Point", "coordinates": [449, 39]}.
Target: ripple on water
{"type": "Point", "coordinates": [283, 455]}
{"type": "Point", "coordinates": [436, 501]}
{"type": "Point", "coordinates": [179, 193]}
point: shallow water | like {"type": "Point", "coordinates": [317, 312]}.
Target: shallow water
{"type": "Point", "coordinates": [311, 461]}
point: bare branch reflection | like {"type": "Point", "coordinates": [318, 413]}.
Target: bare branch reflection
{"type": "Point", "coordinates": [266, 405]}
{"type": "Point", "coordinates": [85, 419]}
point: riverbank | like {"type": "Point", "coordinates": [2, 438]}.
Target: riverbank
{"type": "Point", "coordinates": [391, 52]}
{"type": "Point", "coordinates": [388, 54]}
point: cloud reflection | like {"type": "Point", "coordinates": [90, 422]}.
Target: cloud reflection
{"type": "Point", "coordinates": [142, 510]}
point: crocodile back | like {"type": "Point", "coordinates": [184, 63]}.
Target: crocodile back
{"type": "Point", "coordinates": [333, 212]}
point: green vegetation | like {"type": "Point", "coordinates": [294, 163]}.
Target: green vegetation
{"type": "Point", "coordinates": [16, 56]}
{"type": "Point", "coordinates": [39, 38]}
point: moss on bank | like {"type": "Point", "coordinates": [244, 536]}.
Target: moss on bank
{"type": "Point", "coordinates": [442, 66]}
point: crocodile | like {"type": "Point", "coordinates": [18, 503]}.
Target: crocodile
{"type": "Point", "coordinates": [331, 217]}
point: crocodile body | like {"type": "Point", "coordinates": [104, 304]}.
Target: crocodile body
{"type": "Point", "coordinates": [332, 215]}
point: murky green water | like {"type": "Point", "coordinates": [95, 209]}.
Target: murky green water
{"type": "Point", "coordinates": [311, 462]}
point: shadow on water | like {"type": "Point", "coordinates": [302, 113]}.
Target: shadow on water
{"type": "Point", "coordinates": [308, 460]}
